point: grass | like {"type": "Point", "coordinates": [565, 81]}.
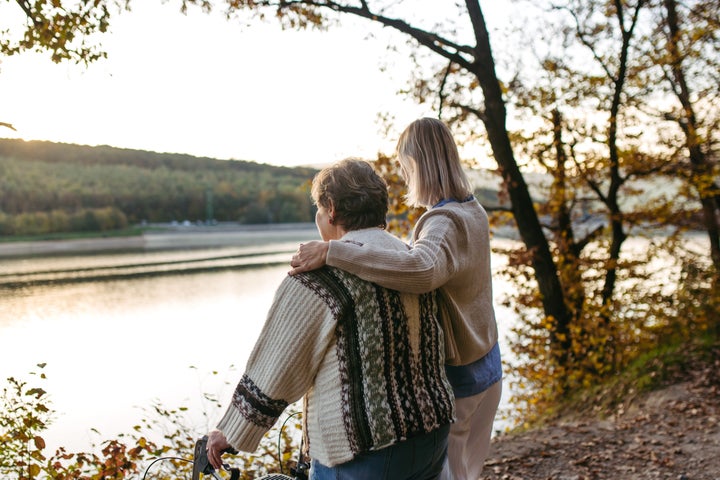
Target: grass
{"type": "Point", "coordinates": [675, 360]}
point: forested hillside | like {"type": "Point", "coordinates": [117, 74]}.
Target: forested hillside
{"type": "Point", "coordinates": [50, 187]}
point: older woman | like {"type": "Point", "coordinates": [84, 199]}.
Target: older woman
{"type": "Point", "coordinates": [369, 361]}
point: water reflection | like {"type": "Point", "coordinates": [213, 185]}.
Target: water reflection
{"type": "Point", "coordinates": [65, 269]}
{"type": "Point", "coordinates": [114, 346]}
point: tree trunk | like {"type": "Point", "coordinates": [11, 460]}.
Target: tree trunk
{"type": "Point", "coordinates": [568, 248]}
{"type": "Point", "coordinates": [616, 181]}
{"type": "Point", "coordinates": [523, 209]}
{"type": "Point", "coordinates": [709, 197]}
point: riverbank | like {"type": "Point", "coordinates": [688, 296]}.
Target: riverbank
{"type": "Point", "coordinates": [671, 433]}
{"type": "Point", "coordinates": [167, 237]}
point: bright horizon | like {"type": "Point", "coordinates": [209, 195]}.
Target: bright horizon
{"type": "Point", "coordinates": [209, 87]}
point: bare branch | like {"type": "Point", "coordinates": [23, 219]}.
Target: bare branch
{"type": "Point", "coordinates": [441, 90]}
{"type": "Point", "coordinates": [435, 42]}
{"type": "Point", "coordinates": [475, 111]}
{"type": "Point", "coordinates": [25, 5]}
{"type": "Point", "coordinates": [585, 41]}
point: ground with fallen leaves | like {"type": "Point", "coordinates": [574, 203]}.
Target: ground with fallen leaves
{"type": "Point", "coordinates": [671, 433]}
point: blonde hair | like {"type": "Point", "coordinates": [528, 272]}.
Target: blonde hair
{"type": "Point", "coordinates": [357, 193]}
{"type": "Point", "coordinates": [431, 164]}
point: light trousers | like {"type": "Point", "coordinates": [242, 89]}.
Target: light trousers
{"type": "Point", "coordinates": [469, 441]}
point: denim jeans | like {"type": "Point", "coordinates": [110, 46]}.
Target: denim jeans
{"type": "Point", "coordinates": [419, 458]}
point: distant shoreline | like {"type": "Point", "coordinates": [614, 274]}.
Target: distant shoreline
{"type": "Point", "coordinates": [168, 237]}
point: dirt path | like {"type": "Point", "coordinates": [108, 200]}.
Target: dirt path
{"type": "Point", "coordinates": [673, 433]}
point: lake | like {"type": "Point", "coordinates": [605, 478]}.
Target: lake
{"type": "Point", "coordinates": [123, 330]}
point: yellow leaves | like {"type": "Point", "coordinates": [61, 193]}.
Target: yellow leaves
{"type": "Point", "coordinates": [287, 456]}
{"type": "Point", "coordinates": [550, 65]}
{"type": "Point", "coordinates": [135, 452]}
{"type": "Point", "coordinates": [35, 392]}
{"type": "Point", "coordinates": [401, 218]}
{"type": "Point", "coordinates": [34, 470]}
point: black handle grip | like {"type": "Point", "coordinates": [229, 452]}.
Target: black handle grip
{"type": "Point", "coordinates": [231, 451]}
{"type": "Point", "coordinates": [201, 464]}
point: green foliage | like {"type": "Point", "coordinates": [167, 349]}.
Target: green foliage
{"type": "Point", "coordinates": [59, 221]}
{"type": "Point", "coordinates": [64, 30]}
{"type": "Point", "coordinates": [47, 187]}
{"type": "Point", "coordinates": [674, 360]}
{"type": "Point", "coordinates": [25, 413]}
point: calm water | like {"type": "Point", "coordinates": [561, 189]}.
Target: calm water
{"type": "Point", "coordinates": [116, 346]}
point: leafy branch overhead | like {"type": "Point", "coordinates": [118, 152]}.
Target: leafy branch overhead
{"type": "Point", "coordinates": [66, 30]}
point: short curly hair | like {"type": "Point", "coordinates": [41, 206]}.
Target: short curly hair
{"type": "Point", "coordinates": [355, 191]}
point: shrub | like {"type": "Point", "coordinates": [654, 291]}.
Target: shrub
{"type": "Point", "coordinates": [25, 414]}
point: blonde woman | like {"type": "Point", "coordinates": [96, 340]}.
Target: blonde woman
{"type": "Point", "coordinates": [450, 252]}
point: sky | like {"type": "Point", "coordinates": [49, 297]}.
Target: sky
{"type": "Point", "coordinates": [202, 85]}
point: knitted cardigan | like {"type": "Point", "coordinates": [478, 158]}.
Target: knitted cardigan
{"type": "Point", "coordinates": [369, 361]}
{"type": "Point", "coordinates": [450, 252]}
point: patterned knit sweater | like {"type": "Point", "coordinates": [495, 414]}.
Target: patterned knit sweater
{"type": "Point", "coordinates": [451, 253]}
{"type": "Point", "coordinates": [369, 361]}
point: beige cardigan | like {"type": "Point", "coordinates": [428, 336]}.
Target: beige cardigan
{"type": "Point", "coordinates": [450, 251]}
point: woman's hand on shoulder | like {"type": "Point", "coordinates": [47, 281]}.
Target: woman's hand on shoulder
{"type": "Point", "coordinates": [309, 256]}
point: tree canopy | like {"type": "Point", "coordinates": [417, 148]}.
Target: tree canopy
{"type": "Point", "coordinates": [67, 30]}
{"type": "Point", "coordinates": [48, 187]}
